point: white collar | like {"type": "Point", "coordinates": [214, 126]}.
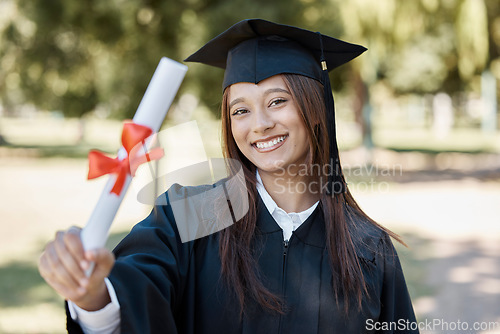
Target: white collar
{"type": "Point", "coordinates": [272, 206]}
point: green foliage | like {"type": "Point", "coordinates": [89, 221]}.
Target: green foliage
{"type": "Point", "coordinates": [76, 56]}
{"type": "Point", "coordinates": [472, 37]}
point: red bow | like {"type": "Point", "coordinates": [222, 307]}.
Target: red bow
{"type": "Point", "coordinates": [132, 135]}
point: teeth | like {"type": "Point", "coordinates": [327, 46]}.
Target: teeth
{"type": "Point", "coordinates": [270, 143]}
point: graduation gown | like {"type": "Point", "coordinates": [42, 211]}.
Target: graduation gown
{"type": "Point", "coordinates": [165, 286]}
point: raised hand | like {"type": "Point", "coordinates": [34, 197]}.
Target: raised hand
{"type": "Point", "coordinates": [63, 265]}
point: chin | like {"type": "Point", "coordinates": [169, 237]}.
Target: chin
{"type": "Point", "coordinates": [270, 167]}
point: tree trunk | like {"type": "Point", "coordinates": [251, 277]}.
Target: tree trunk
{"type": "Point", "coordinates": [363, 110]}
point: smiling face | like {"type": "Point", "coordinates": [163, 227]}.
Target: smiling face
{"type": "Point", "coordinates": [267, 125]}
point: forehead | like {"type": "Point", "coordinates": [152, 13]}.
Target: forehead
{"type": "Point", "coordinates": [266, 86]}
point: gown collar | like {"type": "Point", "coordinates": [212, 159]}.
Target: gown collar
{"type": "Point", "coordinates": [311, 231]}
{"type": "Point", "coordinates": [287, 221]}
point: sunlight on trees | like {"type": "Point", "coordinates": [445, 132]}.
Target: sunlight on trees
{"type": "Point", "coordinates": [76, 57]}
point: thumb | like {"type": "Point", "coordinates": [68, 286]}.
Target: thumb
{"type": "Point", "coordinates": [103, 261]}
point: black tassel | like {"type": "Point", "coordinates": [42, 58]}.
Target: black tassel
{"type": "Point", "coordinates": [336, 182]}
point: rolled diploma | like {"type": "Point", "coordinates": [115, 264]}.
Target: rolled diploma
{"type": "Point", "coordinates": [151, 112]}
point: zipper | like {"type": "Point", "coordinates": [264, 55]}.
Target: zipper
{"type": "Point", "coordinates": [285, 251]}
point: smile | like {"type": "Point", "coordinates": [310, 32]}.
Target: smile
{"type": "Point", "coordinates": [271, 144]}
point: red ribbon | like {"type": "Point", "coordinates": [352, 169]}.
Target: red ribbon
{"type": "Point", "coordinates": [132, 135]}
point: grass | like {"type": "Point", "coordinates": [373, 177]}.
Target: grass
{"type": "Point", "coordinates": [21, 284]}
{"type": "Point", "coordinates": [470, 141]}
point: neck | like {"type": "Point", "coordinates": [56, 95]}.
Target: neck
{"type": "Point", "coordinates": [292, 193]}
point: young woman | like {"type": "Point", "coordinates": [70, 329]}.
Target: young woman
{"type": "Point", "coordinates": [304, 258]}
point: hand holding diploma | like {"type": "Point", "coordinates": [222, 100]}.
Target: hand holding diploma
{"type": "Point", "coordinates": [76, 262]}
{"type": "Point", "coordinates": [64, 263]}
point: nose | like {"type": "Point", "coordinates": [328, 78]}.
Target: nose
{"type": "Point", "coordinates": [262, 121]}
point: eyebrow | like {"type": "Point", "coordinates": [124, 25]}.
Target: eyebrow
{"type": "Point", "coordinates": [235, 101]}
{"type": "Point", "coordinates": [267, 92]}
{"type": "Point", "coordinates": [276, 90]}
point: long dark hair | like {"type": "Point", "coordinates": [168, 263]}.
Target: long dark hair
{"type": "Point", "coordinates": [239, 266]}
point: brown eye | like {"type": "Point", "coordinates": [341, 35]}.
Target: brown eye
{"type": "Point", "coordinates": [240, 111]}
{"type": "Point", "coordinates": [277, 102]}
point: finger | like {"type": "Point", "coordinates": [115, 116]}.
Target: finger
{"type": "Point", "coordinates": [46, 262]}
{"type": "Point", "coordinates": [104, 261]}
{"type": "Point", "coordinates": [43, 267]}
{"type": "Point", "coordinates": [71, 264]}
{"type": "Point", "coordinates": [102, 258]}
{"type": "Point", "coordinates": [73, 244]}
{"type": "Point", "coordinates": [58, 270]}
{"type": "Point", "coordinates": [68, 293]}
{"type": "Point", "coordinates": [75, 229]}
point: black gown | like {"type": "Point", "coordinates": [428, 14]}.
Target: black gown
{"type": "Point", "coordinates": [165, 286]}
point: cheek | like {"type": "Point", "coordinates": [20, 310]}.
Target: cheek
{"type": "Point", "coordinates": [302, 135]}
{"type": "Point", "coordinates": [239, 133]}
{"type": "Point", "coordinates": [238, 137]}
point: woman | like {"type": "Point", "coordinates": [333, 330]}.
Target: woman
{"type": "Point", "coordinates": [304, 259]}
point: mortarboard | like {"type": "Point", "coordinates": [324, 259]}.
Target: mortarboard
{"type": "Point", "coordinates": [253, 50]}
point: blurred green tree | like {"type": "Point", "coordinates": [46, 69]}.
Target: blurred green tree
{"type": "Point", "coordinates": [74, 56]}
{"type": "Point", "coordinates": [472, 37]}
{"type": "Point", "coordinates": [79, 56]}
{"type": "Point", "coordinates": [417, 47]}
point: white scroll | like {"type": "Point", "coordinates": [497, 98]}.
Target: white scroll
{"type": "Point", "coordinates": [151, 112]}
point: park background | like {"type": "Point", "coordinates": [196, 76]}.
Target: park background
{"type": "Point", "coordinates": [418, 127]}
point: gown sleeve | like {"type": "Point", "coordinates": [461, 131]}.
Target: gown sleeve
{"type": "Point", "coordinates": [149, 276]}
{"type": "Point", "coordinates": [397, 315]}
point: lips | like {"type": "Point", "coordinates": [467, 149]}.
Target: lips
{"type": "Point", "coordinates": [271, 144]}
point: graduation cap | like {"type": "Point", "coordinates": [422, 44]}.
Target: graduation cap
{"type": "Point", "coordinates": [253, 50]}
